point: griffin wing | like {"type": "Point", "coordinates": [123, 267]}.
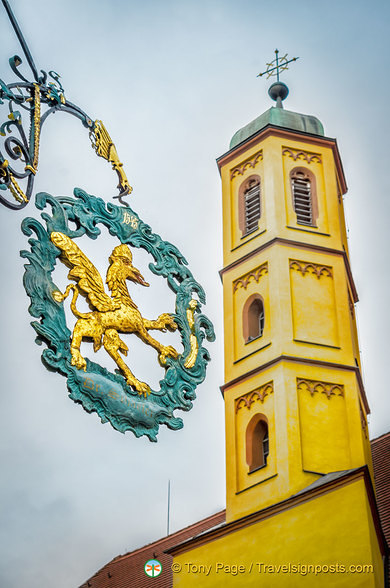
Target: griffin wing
{"type": "Point", "coordinates": [84, 272]}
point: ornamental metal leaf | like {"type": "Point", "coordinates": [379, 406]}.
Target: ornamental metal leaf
{"type": "Point", "coordinates": [19, 148]}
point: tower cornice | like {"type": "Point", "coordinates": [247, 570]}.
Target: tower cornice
{"type": "Point", "coordinates": [302, 360]}
{"type": "Point", "coordinates": [272, 130]}
{"type": "Point", "coordinates": [299, 244]}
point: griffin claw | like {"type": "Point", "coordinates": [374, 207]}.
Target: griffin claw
{"type": "Point", "coordinates": [167, 352]}
{"type": "Point", "coordinates": [142, 388]}
{"type": "Point", "coordinates": [78, 361]}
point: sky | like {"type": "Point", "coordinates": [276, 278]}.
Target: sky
{"type": "Point", "coordinates": [172, 82]}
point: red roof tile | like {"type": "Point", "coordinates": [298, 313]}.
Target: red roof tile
{"type": "Point", "coordinates": [127, 571]}
{"type": "Point", "coordinates": [381, 461]}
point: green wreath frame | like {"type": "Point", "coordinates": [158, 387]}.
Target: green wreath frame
{"type": "Point", "coordinates": [97, 389]}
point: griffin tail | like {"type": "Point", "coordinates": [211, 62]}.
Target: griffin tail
{"type": "Point", "coordinates": [76, 292]}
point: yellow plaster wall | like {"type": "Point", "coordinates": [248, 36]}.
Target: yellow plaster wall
{"type": "Point", "coordinates": [342, 223]}
{"type": "Point", "coordinates": [313, 304]}
{"type": "Point", "coordinates": [314, 426]}
{"type": "Point", "coordinates": [353, 327]}
{"type": "Point", "coordinates": [324, 426]}
{"type": "Point", "coordinates": [306, 315]}
{"type": "Point", "coordinates": [335, 528]}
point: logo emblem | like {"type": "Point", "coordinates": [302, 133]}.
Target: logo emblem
{"type": "Point", "coordinates": [153, 568]}
{"type": "Point", "coordinates": [118, 397]}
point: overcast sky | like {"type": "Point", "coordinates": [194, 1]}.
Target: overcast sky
{"type": "Point", "coordinates": [172, 82]}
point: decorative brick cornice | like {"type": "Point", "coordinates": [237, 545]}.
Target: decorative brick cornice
{"type": "Point", "coordinates": [314, 386]}
{"type": "Point", "coordinates": [253, 275]}
{"type": "Point", "coordinates": [297, 154]}
{"type": "Point", "coordinates": [250, 162]}
{"type": "Point", "coordinates": [251, 397]}
{"type": "Point", "coordinates": [317, 269]}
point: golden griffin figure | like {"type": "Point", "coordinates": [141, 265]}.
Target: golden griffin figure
{"type": "Point", "coordinates": [110, 315]}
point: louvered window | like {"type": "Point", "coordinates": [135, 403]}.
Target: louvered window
{"type": "Point", "coordinates": [252, 207]}
{"type": "Point", "coordinates": [302, 198]}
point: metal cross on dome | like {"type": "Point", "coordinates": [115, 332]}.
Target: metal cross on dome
{"type": "Point", "coordinates": [276, 66]}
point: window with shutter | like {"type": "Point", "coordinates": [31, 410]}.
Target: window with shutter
{"type": "Point", "coordinates": [252, 207]}
{"type": "Point", "coordinates": [302, 198]}
{"type": "Point", "coordinates": [257, 442]}
{"type": "Point", "coordinates": [255, 319]}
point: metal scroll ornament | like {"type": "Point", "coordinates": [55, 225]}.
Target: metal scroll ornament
{"type": "Point", "coordinates": [19, 152]}
{"type": "Point", "coordinates": [19, 148]}
{"type": "Point", "coordinates": [118, 397]}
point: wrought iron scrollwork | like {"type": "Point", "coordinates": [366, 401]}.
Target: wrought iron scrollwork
{"type": "Point", "coordinates": [36, 100]}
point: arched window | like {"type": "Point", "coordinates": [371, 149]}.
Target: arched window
{"type": "Point", "coordinates": [250, 206]}
{"type": "Point", "coordinates": [253, 318]}
{"type": "Point", "coordinates": [303, 186]}
{"type": "Point", "coordinates": [257, 442]}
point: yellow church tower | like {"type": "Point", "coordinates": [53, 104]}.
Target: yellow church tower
{"type": "Point", "coordinates": [295, 403]}
{"type": "Point", "coordinates": [300, 501]}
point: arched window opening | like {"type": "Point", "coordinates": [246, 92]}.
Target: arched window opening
{"type": "Point", "coordinates": [302, 192]}
{"type": "Point", "coordinates": [252, 207]}
{"type": "Point", "coordinates": [257, 442]}
{"type": "Point", "coordinates": [255, 318]}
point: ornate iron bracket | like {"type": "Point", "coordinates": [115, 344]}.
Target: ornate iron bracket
{"type": "Point", "coordinates": [19, 150]}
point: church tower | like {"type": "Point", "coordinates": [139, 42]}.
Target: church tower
{"type": "Point", "coordinates": [299, 481]}
{"type": "Point", "coordinates": [295, 402]}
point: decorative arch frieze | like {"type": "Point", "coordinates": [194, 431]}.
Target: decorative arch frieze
{"type": "Point", "coordinates": [258, 395]}
{"type": "Point", "coordinates": [308, 267]}
{"type": "Point", "coordinates": [253, 275]}
{"type": "Point", "coordinates": [315, 386]}
{"type": "Point", "coordinates": [239, 170]}
{"type": "Point", "coordinates": [299, 154]}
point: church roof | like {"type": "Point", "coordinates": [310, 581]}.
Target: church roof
{"type": "Point", "coordinates": [279, 117]}
{"type": "Point", "coordinates": [325, 479]}
{"type": "Point", "coordinates": [381, 460]}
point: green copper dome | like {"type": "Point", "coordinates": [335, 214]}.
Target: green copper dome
{"type": "Point", "coordinates": [279, 117]}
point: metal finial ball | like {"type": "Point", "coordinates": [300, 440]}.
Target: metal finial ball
{"type": "Point", "coordinates": [278, 90]}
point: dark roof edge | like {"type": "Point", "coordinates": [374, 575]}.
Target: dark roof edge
{"type": "Point", "coordinates": [380, 437]}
